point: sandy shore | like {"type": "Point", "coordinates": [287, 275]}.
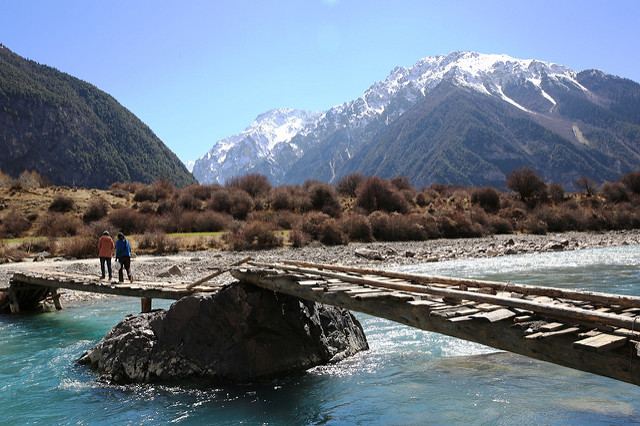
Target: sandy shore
{"type": "Point", "coordinates": [196, 265]}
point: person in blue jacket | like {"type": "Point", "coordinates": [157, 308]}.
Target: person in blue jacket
{"type": "Point", "coordinates": [123, 255]}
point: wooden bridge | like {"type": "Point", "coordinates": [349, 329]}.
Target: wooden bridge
{"type": "Point", "coordinates": [594, 332]}
{"type": "Point", "coordinates": [589, 331]}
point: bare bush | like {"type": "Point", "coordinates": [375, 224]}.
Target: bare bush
{"type": "Point", "coordinates": [129, 221]}
{"type": "Point", "coordinates": [588, 185]}
{"type": "Point", "coordinates": [55, 224]}
{"type": "Point", "coordinates": [96, 210]}
{"type": "Point", "coordinates": [78, 247]}
{"type": "Point", "coordinates": [556, 192]}
{"type": "Point", "coordinates": [456, 224]}
{"type": "Point", "coordinates": [241, 204]}
{"type": "Point", "coordinates": [347, 185]}
{"type": "Point", "coordinates": [13, 224]}
{"type": "Point", "coordinates": [324, 199]}
{"type": "Point", "coordinates": [375, 193]}
{"type": "Point", "coordinates": [61, 204]}
{"type": "Point", "coordinates": [632, 181]}
{"type": "Point", "coordinates": [256, 185]}
{"type": "Point", "coordinates": [255, 236]}
{"type": "Point", "coordinates": [357, 227]}
{"type": "Point", "coordinates": [311, 223]}
{"type": "Point", "coordinates": [281, 198]}
{"type": "Point", "coordinates": [526, 183]}
{"type": "Point", "coordinates": [331, 234]}
{"type": "Point", "coordinates": [614, 192]}
{"type": "Point", "coordinates": [487, 197]}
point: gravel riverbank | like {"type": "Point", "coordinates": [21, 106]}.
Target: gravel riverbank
{"type": "Point", "coordinates": [196, 265]}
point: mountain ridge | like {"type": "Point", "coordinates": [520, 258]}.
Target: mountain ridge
{"type": "Point", "coordinates": [74, 134]}
{"type": "Point", "coordinates": [550, 95]}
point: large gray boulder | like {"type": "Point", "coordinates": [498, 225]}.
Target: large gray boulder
{"type": "Point", "coordinates": [240, 333]}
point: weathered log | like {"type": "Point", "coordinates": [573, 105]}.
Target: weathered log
{"type": "Point", "coordinates": [218, 272]}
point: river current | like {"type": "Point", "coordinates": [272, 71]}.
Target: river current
{"type": "Point", "coordinates": [408, 376]}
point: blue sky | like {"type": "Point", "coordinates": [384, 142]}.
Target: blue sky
{"type": "Point", "coordinates": [199, 71]}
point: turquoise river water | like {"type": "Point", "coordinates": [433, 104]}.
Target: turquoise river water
{"type": "Point", "coordinates": [407, 377]}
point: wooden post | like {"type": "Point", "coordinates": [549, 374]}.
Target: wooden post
{"type": "Point", "coordinates": [56, 299]}
{"type": "Point", "coordinates": [13, 301]}
{"type": "Point", "coordinates": [145, 303]}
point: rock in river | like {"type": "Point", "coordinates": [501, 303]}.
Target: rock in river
{"type": "Point", "coordinates": [240, 333]}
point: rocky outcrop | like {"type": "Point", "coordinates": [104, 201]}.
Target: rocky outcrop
{"type": "Point", "coordinates": [240, 333]}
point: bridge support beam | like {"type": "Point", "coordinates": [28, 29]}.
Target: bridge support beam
{"type": "Point", "coordinates": [145, 303]}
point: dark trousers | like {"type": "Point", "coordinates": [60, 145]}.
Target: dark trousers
{"type": "Point", "coordinates": [106, 260]}
{"type": "Point", "coordinates": [125, 262]}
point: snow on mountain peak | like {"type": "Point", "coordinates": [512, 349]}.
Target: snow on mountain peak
{"type": "Point", "coordinates": [487, 73]}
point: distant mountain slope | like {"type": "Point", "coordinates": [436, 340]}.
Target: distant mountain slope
{"type": "Point", "coordinates": [74, 134]}
{"type": "Point", "coordinates": [468, 118]}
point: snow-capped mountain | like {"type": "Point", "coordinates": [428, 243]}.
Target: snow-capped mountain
{"type": "Point", "coordinates": [337, 142]}
{"type": "Point", "coordinates": [238, 154]}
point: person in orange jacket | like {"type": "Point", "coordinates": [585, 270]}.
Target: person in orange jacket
{"type": "Point", "coordinates": [105, 250]}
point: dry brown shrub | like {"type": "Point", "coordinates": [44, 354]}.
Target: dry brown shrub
{"type": "Point", "coordinates": [241, 204]}
{"type": "Point", "coordinates": [200, 192]}
{"type": "Point", "coordinates": [632, 181]}
{"type": "Point", "coordinates": [281, 198]}
{"type": "Point", "coordinates": [299, 238]}
{"type": "Point", "coordinates": [96, 210]}
{"type": "Point", "coordinates": [558, 219]}
{"type": "Point", "coordinates": [426, 197]}
{"type": "Point", "coordinates": [254, 184]}
{"type": "Point", "coordinates": [556, 192]}
{"type": "Point", "coordinates": [254, 236]}
{"type": "Point", "coordinates": [59, 225]}
{"type": "Point", "coordinates": [31, 179]}
{"type": "Point", "coordinates": [375, 193]}
{"type": "Point", "coordinates": [220, 201]}
{"type": "Point", "coordinates": [614, 192]}
{"type": "Point", "coordinates": [145, 193]}
{"type": "Point", "coordinates": [188, 201]}
{"type": "Point", "coordinates": [357, 227]}
{"type": "Point", "coordinates": [61, 204]}
{"type": "Point", "coordinates": [5, 179]}
{"type": "Point", "coordinates": [324, 199]}
{"type": "Point", "coordinates": [13, 224]}
{"type": "Point", "coordinates": [97, 228]}
{"type": "Point", "coordinates": [457, 224]}
{"type": "Point", "coordinates": [498, 225]}
{"type": "Point", "coordinates": [487, 197]}
{"type": "Point", "coordinates": [129, 221]}
{"type": "Point", "coordinates": [330, 233]}
{"type": "Point", "coordinates": [397, 227]}
{"type": "Point", "coordinates": [79, 247]}
{"type": "Point", "coordinates": [154, 242]}
{"type": "Point", "coordinates": [311, 223]}
{"type": "Point", "coordinates": [526, 182]}
{"type": "Point", "coordinates": [347, 185]}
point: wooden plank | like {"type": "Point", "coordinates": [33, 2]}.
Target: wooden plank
{"type": "Point", "coordinates": [577, 313]}
{"type": "Point", "coordinates": [497, 315]}
{"type": "Point", "coordinates": [600, 343]}
{"type": "Point", "coordinates": [595, 297]}
{"type": "Point", "coordinates": [552, 326]}
{"type": "Point", "coordinates": [542, 334]}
